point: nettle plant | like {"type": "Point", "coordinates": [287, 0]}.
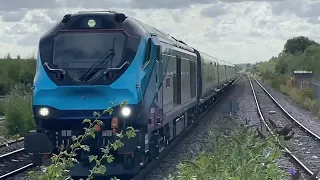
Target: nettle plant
{"type": "Point", "coordinates": [66, 159]}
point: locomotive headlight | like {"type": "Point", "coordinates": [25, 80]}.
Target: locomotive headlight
{"type": "Point", "coordinates": [126, 111]}
{"type": "Point", "coordinates": [44, 111]}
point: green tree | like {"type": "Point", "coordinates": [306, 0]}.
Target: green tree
{"type": "Point", "coordinates": [298, 45]}
{"type": "Point", "coordinates": [8, 56]}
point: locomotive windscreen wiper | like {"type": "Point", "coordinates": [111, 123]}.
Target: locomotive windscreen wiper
{"type": "Point", "coordinates": [100, 62]}
{"type": "Point", "coordinates": [104, 59]}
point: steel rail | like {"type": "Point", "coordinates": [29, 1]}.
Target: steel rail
{"type": "Point", "coordinates": [305, 168]}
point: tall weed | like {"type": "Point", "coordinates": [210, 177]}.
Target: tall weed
{"type": "Point", "coordinates": [18, 112]}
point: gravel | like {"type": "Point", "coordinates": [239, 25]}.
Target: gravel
{"type": "Point", "coordinates": [303, 116]}
{"type": "Point", "coordinates": [11, 147]}
{"type": "Point", "coordinates": [24, 175]}
{"type": "Point", "coordinates": [248, 108]}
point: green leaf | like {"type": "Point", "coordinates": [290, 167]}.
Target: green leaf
{"type": "Point", "coordinates": [124, 103]}
{"type": "Point", "coordinates": [85, 147]}
{"type": "Point", "coordinates": [105, 150]}
{"type": "Point", "coordinates": [74, 160]}
{"type": "Point", "coordinates": [86, 121]}
{"type": "Point", "coordinates": [96, 114]}
{"type": "Point", "coordinates": [117, 144]}
{"type": "Point", "coordinates": [92, 158]}
{"type": "Point", "coordinates": [99, 122]}
{"type": "Point", "coordinates": [101, 169]}
{"type": "Point", "coordinates": [131, 132]}
{"type": "Point", "coordinates": [74, 138]}
{"type": "Point", "coordinates": [120, 135]}
{"type": "Point", "coordinates": [276, 155]}
{"type": "Point", "coordinates": [109, 110]}
{"type": "Point", "coordinates": [110, 158]}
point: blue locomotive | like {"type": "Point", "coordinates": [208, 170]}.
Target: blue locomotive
{"type": "Point", "coordinates": [92, 58]}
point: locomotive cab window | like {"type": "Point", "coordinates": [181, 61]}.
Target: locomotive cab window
{"type": "Point", "coordinates": [167, 82]}
{"type": "Point", "coordinates": [147, 55]}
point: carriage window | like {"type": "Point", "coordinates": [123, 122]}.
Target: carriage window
{"type": "Point", "coordinates": [167, 82]}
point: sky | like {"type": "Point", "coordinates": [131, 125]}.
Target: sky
{"type": "Point", "coordinates": [232, 30]}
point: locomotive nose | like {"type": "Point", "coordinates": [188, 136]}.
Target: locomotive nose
{"type": "Point", "coordinates": [82, 98]}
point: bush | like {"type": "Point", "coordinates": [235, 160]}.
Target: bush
{"type": "Point", "coordinates": [303, 98]}
{"type": "Point", "coordinates": [18, 112]}
{"type": "Point", "coordinates": [240, 154]}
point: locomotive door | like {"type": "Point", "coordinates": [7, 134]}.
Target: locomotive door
{"type": "Point", "coordinates": [159, 70]}
{"type": "Point", "coordinates": [156, 51]}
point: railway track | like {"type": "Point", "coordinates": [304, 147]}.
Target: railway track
{"type": "Point", "coordinates": [304, 145]}
{"type": "Point", "coordinates": [13, 159]}
{"type": "Point", "coordinates": [14, 162]}
{"type": "Point", "coordinates": [11, 142]}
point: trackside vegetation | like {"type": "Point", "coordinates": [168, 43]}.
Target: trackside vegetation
{"type": "Point", "coordinates": [240, 153]}
{"type": "Point", "coordinates": [299, 53]}
{"type": "Point", "coordinates": [16, 79]}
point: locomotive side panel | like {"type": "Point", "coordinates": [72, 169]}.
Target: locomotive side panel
{"type": "Point", "coordinates": [169, 82]}
{"type": "Point", "coordinates": [178, 94]}
{"type": "Point", "coordinates": [185, 80]}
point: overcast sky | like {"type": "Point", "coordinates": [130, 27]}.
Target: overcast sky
{"type": "Point", "coordinates": [238, 32]}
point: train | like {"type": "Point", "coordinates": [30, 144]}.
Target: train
{"type": "Point", "coordinates": [92, 59]}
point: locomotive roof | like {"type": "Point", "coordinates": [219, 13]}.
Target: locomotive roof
{"type": "Point", "coordinates": [114, 20]}
{"type": "Point", "coordinates": [99, 20]}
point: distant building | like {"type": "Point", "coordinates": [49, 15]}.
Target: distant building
{"type": "Point", "coordinates": [303, 79]}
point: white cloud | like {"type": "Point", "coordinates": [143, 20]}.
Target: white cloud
{"type": "Point", "coordinates": [237, 32]}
